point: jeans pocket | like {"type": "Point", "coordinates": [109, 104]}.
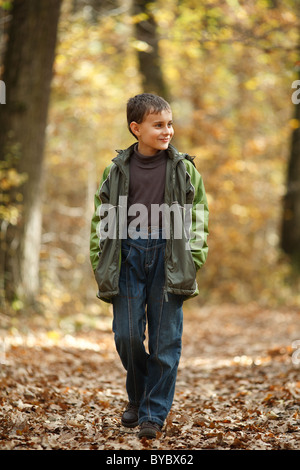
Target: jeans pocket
{"type": "Point", "coordinates": [125, 252]}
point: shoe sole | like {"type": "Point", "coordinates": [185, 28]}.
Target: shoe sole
{"type": "Point", "coordinates": [147, 435]}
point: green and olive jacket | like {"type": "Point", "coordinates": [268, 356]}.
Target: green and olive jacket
{"type": "Point", "coordinates": [184, 255]}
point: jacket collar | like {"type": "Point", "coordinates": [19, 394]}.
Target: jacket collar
{"type": "Point", "coordinates": [124, 155]}
{"type": "Point", "coordinates": [174, 154]}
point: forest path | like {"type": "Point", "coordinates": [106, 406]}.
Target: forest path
{"type": "Point", "coordinates": [238, 385]}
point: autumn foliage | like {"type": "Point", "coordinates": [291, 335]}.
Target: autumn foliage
{"type": "Point", "coordinates": [229, 72]}
{"type": "Point", "coordinates": [237, 389]}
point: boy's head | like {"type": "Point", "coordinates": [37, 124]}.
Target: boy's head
{"type": "Point", "coordinates": [150, 117]}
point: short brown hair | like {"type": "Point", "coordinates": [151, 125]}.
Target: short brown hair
{"type": "Point", "coordinates": [141, 105]}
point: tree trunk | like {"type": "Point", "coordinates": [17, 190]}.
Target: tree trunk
{"type": "Point", "coordinates": [27, 75]}
{"type": "Point", "coordinates": [290, 235]}
{"type": "Point", "coordinates": [148, 53]}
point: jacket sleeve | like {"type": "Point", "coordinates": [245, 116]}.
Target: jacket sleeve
{"type": "Point", "coordinates": [200, 215]}
{"type": "Point", "coordinates": [103, 191]}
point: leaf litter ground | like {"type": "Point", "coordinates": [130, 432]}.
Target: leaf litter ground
{"type": "Point", "coordinates": [238, 385]}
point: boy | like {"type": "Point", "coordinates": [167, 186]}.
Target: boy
{"type": "Point", "coordinates": [144, 262]}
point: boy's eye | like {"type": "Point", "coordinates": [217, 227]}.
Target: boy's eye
{"type": "Point", "coordinates": [160, 124]}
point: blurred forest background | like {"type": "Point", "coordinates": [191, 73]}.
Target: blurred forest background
{"type": "Point", "coordinates": [227, 68]}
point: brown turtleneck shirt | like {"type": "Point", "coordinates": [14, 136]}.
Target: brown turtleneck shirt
{"type": "Point", "coordinates": [147, 181]}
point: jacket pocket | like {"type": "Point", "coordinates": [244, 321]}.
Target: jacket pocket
{"type": "Point", "coordinates": [107, 271]}
{"type": "Point", "coordinates": [181, 269]}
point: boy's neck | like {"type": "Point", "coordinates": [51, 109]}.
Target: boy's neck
{"type": "Point", "coordinates": [146, 153]}
{"type": "Point", "coordinates": [143, 155]}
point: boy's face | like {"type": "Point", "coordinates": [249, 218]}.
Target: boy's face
{"type": "Point", "coordinates": [154, 133]}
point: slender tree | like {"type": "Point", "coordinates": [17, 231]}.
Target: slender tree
{"type": "Point", "coordinates": [148, 56]}
{"type": "Point", "coordinates": [290, 233]}
{"type": "Point", "coordinates": [27, 75]}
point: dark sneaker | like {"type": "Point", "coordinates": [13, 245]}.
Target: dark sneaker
{"type": "Point", "coordinates": [130, 417]}
{"type": "Point", "coordinates": [149, 430]}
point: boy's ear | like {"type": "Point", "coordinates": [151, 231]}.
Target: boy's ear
{"type": "Point", "coordinates": [134, 127]}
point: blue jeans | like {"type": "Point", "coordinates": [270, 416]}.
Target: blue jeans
{"type": "Point", "coordinates": [151, 376]}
